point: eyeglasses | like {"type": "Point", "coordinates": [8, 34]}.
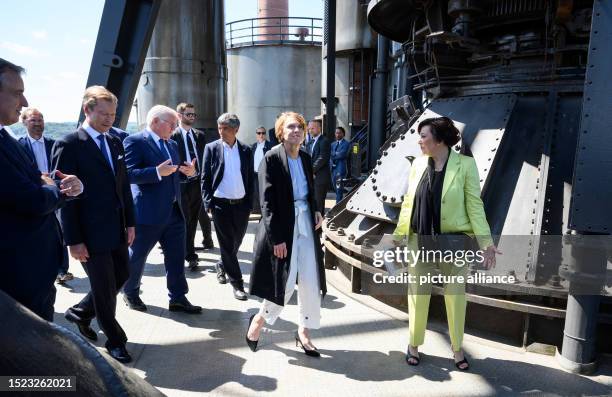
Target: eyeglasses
{"type": "Point", "coordinates": [261, 132]}
{"type": "Point", "coordinates": [194, 115]}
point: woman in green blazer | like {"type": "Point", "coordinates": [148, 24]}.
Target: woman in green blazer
{"type": "Point", "coordinates": [443, 198]}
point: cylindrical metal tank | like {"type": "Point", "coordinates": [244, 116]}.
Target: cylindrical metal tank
{"type": "Point", "coordinates": [352, 29]}
{"type": "Point", "coordinates": [355, 47]}
{"type": "Point", "coordinates": [265, 80]}
{"type": "Point", "coordinates": [186, 61]}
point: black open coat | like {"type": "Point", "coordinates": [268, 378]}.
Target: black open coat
{"type": "Point", "coordinates": [269, 276]}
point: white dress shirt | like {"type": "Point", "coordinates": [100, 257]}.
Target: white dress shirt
{"type": "Point", "coordinates": [40, 153]}
{"type": "Point", "coordinates": [231, 186]}
{"type": "Point", "coordinates": [94, 135]}
{"type": "Point", "coordinates": [194, 147]}
{"type": "Point", "coordinates": [259, 154]}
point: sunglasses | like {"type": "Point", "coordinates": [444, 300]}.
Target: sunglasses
{"type": "Point", "coordinates": [261, 133]}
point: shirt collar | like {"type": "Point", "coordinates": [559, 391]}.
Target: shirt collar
{"type": "Point", "coordinates": [184, 131]}
{"type": "Point", "coordinates": [91, 131]}
{"type": "Point", "coordinates": [226, 145]}
{"type": "Point", "coordinates": [155, 137]}
{"type": "Point", "coordinates": [260, 144]}
{"type": "Point", "coordinates": [32, 140]}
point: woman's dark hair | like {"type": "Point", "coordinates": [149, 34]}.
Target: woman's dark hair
{"type": "Point", "coordinates": [443, 130]}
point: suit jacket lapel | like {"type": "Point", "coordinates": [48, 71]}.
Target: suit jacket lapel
{"type": "Point", "coordinates": [114, 152]}
{"type": "Point", "coordinates": [221, 161]}
{"type": "Point", "coordinates": [151, 142]}
{"type": "Point", "coordinates": [18, 156]}
{"type": "Point", "coordinates": [93, 148]}
{"type": "Point", "coordinates": [181, 144]}
{"type": "Point", "coordinates": [243, 163]}
{"type": "Point", "coordinates": [27, 145]}
{"type": "Point", "coordinates": [286, 172]}
{"type": "Point", "coordinates": [48, 147]}
{"type": "Point", "coordinates": [451, 170]}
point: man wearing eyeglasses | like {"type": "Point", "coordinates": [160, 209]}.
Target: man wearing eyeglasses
{"type": "Point", "coordinates": [154, 167]}
{"type": "Point", "coordinates": [191, 144]}
{"type": "Point", "coordinates": [259, 149]}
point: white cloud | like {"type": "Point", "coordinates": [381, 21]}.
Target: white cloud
{"type": "Point", "coordinates": [85, 41]}
{"type": "Point", "coordinates": [18, 48]}
{"type": "Point", "coordinates": [40, 34]}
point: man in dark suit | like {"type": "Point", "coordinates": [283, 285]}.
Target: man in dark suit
{"type": "Point", "coordinates": [337, 163]}
{"type": "Point", "coordinates": [153, 160]}
{"type": "Point", "coordinates": [259, 149]}
{"type": "Point", "coordinates": [39, 148]}
{"type": "Point", "coordinates": [319, 149]}
{"type": "Point", "coordinates": [99, 227]}
{"type": "Point", "coordinates": [227, 188]}
{"type": "Point", "coordinates": [191, 144]}
{"type": "Point", "coordinates": [118, 133]}
{"type": "Point", "coordinates": [31, 243]}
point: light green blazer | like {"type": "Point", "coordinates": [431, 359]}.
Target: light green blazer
{"type": "Point", "coordinates": [461, 210]}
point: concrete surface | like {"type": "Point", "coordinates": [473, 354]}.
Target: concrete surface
{"type": "Point", "coordinates": [362, 348]}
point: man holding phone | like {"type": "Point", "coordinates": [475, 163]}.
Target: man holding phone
{"type": "Point", "coordinates": [153, 160]}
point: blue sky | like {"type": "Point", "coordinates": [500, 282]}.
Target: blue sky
{"type": "Point", "coordinates": [54, 41]}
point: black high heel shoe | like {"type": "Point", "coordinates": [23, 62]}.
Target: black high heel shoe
{"type": "Point", "coordinates": [308, 352]}
{"type": "Point", "coordinates": [252, 344]}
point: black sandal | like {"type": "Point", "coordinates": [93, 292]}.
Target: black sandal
{"type": "Point", "coordinates": [409, 356]}
{"type": "Point", "coordinates": [458, 364]}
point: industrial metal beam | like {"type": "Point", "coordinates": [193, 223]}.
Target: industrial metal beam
{"type": "Point", "coordinates": [123, 38]}
{"type": "Point", "coordinates": [330, 64]}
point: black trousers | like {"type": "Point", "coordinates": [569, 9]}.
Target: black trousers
{"type": "Point", "coordinates": [231, 221]}
{"type": "Point", "coordinates": [205, 225]}
{"type": "Point", "coordinates": [320, 192]}
{"type": "Point", "coordinates": [107, 272]}
{"type": "Point", "coordinates": [192, 204]}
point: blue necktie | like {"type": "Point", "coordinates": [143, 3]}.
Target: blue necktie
{"type": "Point", "coordinates": [162, 147]}
{"type": "Point", "coordinates": [104, 151]}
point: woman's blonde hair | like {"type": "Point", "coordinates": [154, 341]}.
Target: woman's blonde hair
{"type": "Point", "coordinates": [279, 125]}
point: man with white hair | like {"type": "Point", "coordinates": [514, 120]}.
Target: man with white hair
{"type": "Point", "coordinates": [153, 164]}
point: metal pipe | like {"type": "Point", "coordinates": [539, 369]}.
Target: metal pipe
{"type": "Point", "coordinates": [330, 63]}
{"type": "Point", "coordinates": [378, 105]}
{"type": "Point", "coordinates": [585, 268]}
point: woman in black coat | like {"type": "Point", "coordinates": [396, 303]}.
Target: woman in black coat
{"type": "Point", "coordinates": [287, 249]}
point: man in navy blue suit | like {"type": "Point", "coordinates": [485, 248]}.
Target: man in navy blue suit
{"type": "Point", "coordinates": [39, 148]}
{"type": "Point", "coordinates": [28, 201]}
{"type": "Point", "coordinates": [227, 191]}
{"type": "Point", "coordinates": [337, 162]}
{"type": "Point", "coordinates": [153, 168]}
{"type": "Point", "coordinates": [100, 226]}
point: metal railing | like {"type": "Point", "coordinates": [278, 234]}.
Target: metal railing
{"type": "Point", "coordinates": [273, 30]}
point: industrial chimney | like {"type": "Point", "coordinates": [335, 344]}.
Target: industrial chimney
{"type": "Point", "coordinates": [274, 28]}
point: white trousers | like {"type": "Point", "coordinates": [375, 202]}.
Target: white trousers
{"type": "Point", "coordinates": [303, 268]}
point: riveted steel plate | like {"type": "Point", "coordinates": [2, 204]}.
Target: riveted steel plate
{"type": "Point", "coordinates": [482, 121]}
{"type": "Point", "coordinates": [591, 210]}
